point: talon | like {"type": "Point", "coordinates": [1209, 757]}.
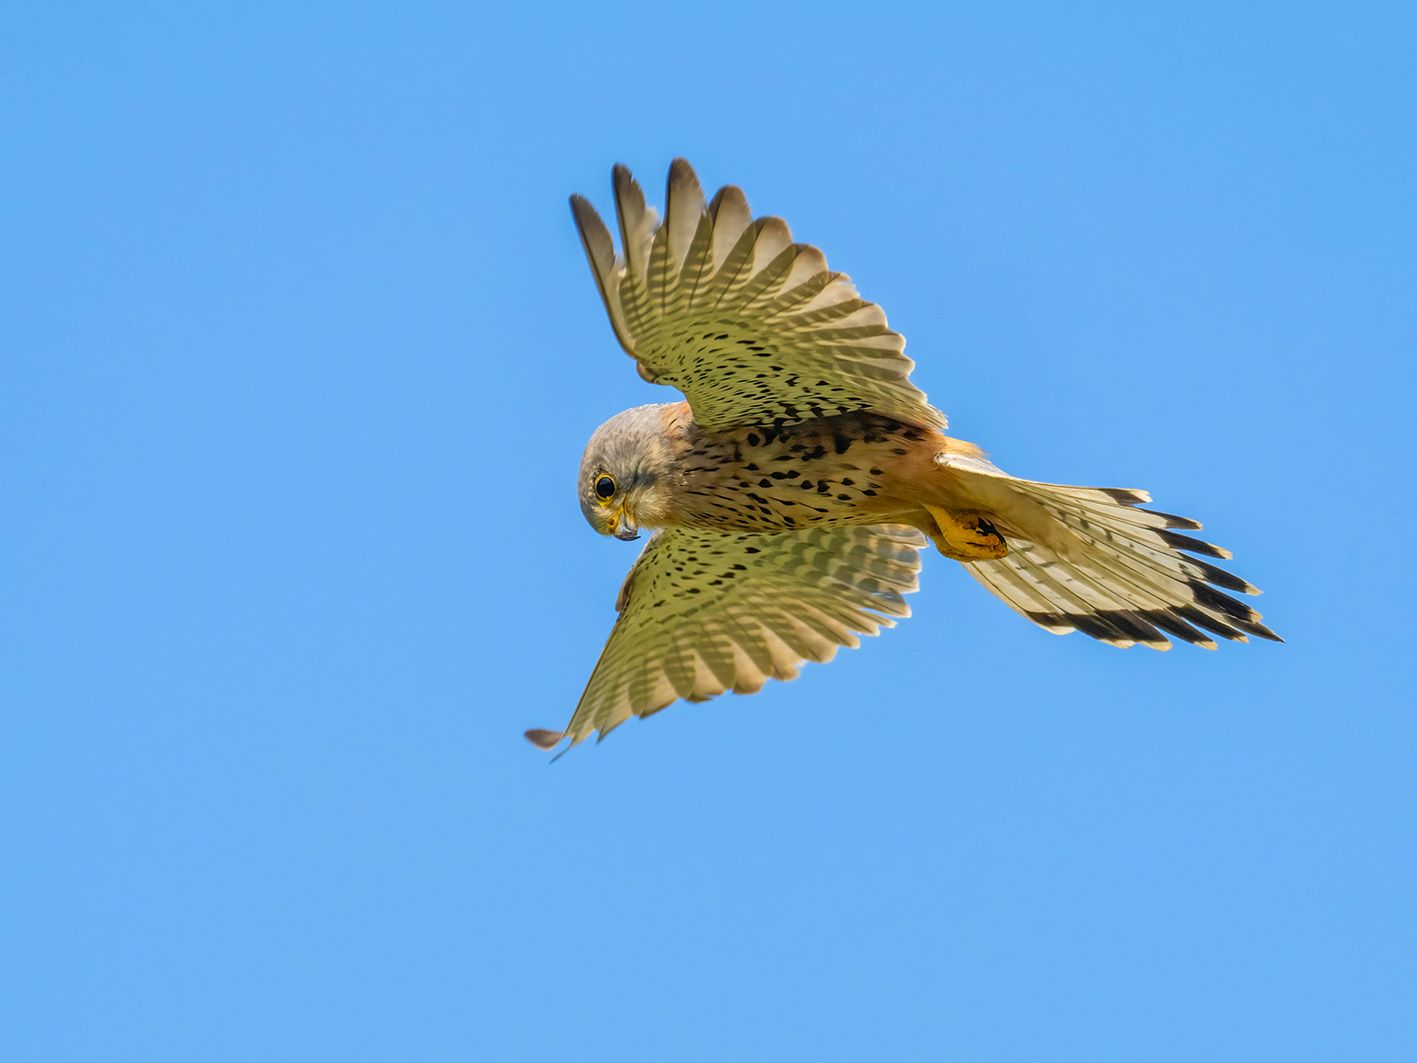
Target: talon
{"type": "Point", "coordinates": [967, 536]}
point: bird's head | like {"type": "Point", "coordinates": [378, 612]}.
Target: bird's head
{"type": "Point", "coordinates": [625, 474]}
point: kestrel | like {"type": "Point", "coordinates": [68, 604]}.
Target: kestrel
{"type": "Point", "coordinates": [791, 494]}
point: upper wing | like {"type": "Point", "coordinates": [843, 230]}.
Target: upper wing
{"type": "Point", "coordinates": [751, 327]}
{"type": "Point", "coordinates": [705, 612]}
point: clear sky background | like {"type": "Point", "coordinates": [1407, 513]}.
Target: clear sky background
{"type": "Point", "coordinates": [299, 355]}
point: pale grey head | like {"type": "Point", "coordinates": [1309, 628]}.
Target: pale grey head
{"type": "Point", "coordinates": [626, 475]}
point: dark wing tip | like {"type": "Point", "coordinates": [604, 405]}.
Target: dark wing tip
{"type": "Point", "coordinates": [624, 183]}
{"type": "Point", "coordinates": [728, 192]}
{"type": "Point", "coordinates": [586, 216]}
{"type": "Point", "coordinates": [542, 739]}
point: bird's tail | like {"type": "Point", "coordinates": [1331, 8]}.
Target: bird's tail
{"type": "Point", "coordinates": [1090, 559]}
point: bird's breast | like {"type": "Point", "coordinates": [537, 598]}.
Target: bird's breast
{"type": "Point", "coordinates": [836, 470]}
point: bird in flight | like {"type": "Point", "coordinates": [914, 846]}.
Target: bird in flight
{"type": "Point", "coordinates": [791, 494]}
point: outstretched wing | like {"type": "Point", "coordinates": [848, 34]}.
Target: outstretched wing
{"type": "Point", "coordinates": [706, 612]}
{"type": "Point", "coordinates": [751, 327]}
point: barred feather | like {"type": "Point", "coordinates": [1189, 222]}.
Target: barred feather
{"type": "Point", "coordinates": [1124, 577]}
{"type": "Point", "coordinates": [752, 327]}
{"type": "Point", "coordinates": [702, 613]}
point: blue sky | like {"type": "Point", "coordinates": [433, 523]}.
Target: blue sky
{"type": "Point", "coordinates": [299, 355]}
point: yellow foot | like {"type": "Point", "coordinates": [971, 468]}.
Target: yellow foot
{"type": "Point", "coordinates": [967, 536]}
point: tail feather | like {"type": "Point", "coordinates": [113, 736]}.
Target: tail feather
{"type": "Point", "coordinates": [1117, 572]}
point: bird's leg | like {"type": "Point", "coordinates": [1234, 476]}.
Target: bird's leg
{"type": "Point", "coordinates": [967, 536]}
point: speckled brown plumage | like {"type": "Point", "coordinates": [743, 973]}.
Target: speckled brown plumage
{"type": "Point", "coordinates": [792, 491]}
{"type": "Point", "coordinates": [819, 473]}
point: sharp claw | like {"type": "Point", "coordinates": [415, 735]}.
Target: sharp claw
{"type": "Point", "coordinates": [967, 536]}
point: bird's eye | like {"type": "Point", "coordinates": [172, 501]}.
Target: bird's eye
{"type": "Point", "coordinates": [604, 486]}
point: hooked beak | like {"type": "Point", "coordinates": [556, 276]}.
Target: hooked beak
{"type": "Point", "coordinates": [623, 528]}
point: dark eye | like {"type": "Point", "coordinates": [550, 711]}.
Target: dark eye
{"type": "Point", "coordinates": [604, 487]}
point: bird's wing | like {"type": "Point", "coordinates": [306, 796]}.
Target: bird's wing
{"type": "Point", "coordinates": [706, 612]}
{"type": "Point", "coordinates": [751, 327]}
